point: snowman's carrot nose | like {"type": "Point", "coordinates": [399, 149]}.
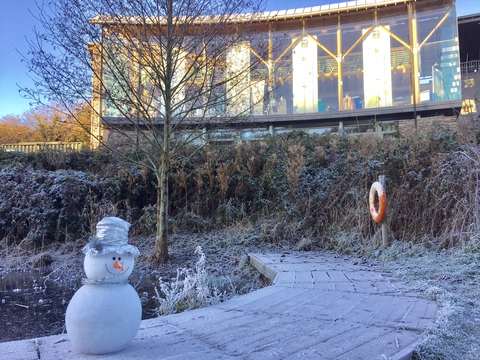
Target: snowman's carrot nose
{"type": "Point", "coordinates": [117, 265]}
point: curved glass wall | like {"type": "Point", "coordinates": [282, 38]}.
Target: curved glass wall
{"type": "Point", "coordinates": [348, 61]}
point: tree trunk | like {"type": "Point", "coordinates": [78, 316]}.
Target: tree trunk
{"type": "Point", "coordinates": [161, 240]}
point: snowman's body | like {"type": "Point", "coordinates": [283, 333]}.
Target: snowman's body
{"type": "Point", "coordinates": [104, 314]}
{"type": "Point", "coordinates": [102, 319]}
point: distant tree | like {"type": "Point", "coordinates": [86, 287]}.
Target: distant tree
{"type": "Point", "coordinates": [47, 122]}
{"type": "Point", "coordinates": [165, 68]}
{"type": "Point", "coordinates": [14, 129]}
{"type": "Point", "coordinates": [79, 120]}
{"type": "Point", "coordinates": [52, 123]}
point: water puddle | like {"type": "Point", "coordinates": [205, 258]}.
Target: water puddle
{"type": "Point", "coordinates": [33, 304]}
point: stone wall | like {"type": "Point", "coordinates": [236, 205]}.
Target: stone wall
{"type": "Point", "coordinates": [463, 124]}
{"type": "Point", "coordinates": [427, 125]}
{"type": "Point", "coordinates": [468, 121]}
{"type": "Point", "coordinates": [118, 140]}
{"type": "Point", "coordinates": [471, 85]}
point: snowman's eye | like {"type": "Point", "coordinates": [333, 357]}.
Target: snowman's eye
{"type": "Point", "coordinates": [114, 258]}
{"type": "Point", "coordinates": [119, 258]}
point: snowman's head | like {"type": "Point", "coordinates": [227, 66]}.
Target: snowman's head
{"type": "Point", "coordinates": [108, 255]}
{"type": "Point", "coordinates": [109, 267]}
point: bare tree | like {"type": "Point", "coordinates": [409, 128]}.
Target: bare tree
{"type": "Point", "coordinates": [163, 73]}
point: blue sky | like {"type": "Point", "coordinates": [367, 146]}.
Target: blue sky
{"type": "Point", "coordinates": [17, 24]}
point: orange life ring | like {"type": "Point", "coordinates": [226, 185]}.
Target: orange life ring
{"type": "Point", "coordinates": [377, 187]}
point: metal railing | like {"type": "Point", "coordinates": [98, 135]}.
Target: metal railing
{"type": "Point", "coordinates": [470, 67]}
{"type": "Point", "coordinates": [30, 147]}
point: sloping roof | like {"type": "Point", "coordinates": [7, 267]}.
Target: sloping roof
{"type": "Point", "coordinates": [325, 9]}
{"type": "Point", "coordinates": [262, 16]}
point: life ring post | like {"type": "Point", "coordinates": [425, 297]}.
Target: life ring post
{"type": "Point", "coordinates": [382, 180]}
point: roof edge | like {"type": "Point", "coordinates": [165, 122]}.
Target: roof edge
{"type": "Point", "coordinates": [265, 16]}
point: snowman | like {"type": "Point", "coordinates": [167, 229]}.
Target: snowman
{"type": "Point", "coordinates": [104, 314]}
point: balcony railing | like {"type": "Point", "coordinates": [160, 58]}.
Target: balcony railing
{"type": "Point", "coordinates": [470, 67]}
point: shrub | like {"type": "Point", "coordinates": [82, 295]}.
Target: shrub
{"type": "Point", "coordinates": [310, 187]}
{"type": "Point", "coordinates": [190, 289]}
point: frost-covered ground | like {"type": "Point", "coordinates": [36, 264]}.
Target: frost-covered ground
{"type": "Point", "coordinates": [34, 298]}
{"type": "Point", "coordinates": [451, 277]}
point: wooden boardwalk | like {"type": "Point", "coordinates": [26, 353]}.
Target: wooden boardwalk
{"type": "Point", "coordinates": [321, 306]}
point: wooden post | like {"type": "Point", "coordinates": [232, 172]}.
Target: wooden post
{"type": "Point", "coordinates": [381, 180]}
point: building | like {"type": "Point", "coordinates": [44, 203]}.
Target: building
{"type": "Point", "coordinates": [468, 30]}
{"type": "Point", "coordinates": [347, 67]}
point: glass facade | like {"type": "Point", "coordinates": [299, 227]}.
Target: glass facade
{"type": "Point", "coordinates": [355, 58]}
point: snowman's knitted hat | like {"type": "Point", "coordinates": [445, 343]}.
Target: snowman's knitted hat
{"type": "Point", "coordinates": [112, 236]}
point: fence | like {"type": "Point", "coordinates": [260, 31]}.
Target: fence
{"type": "Point", "coordinates": [30, 147]}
